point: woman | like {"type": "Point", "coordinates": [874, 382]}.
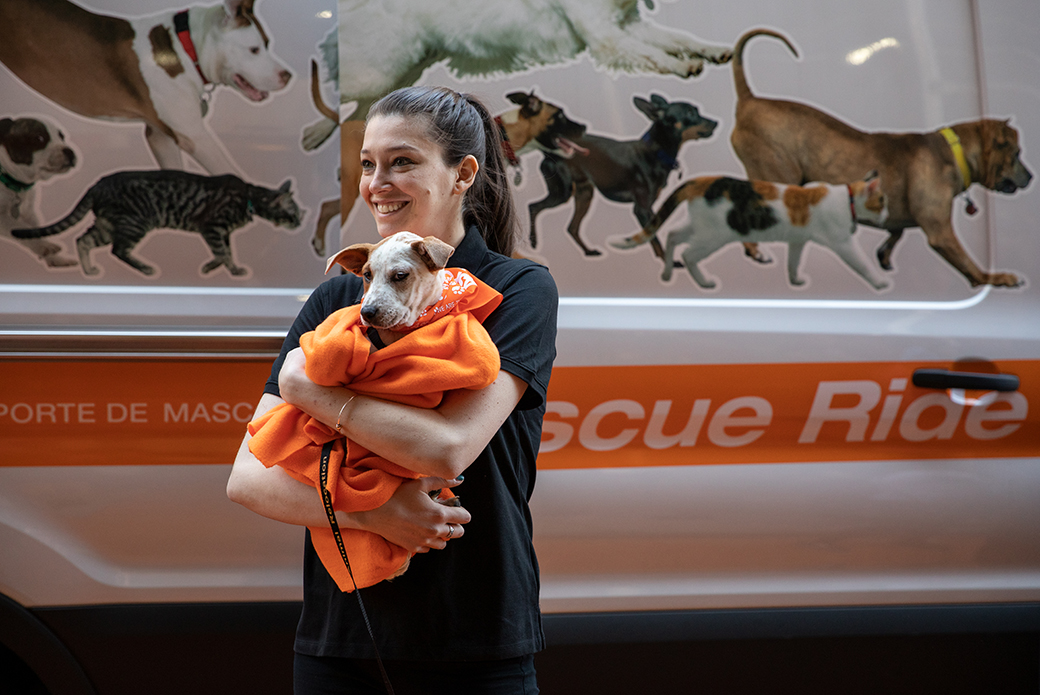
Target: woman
{"type": "Point", "coordinates": [464, 619]}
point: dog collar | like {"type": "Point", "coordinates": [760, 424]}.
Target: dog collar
{"type": "Point", "coordinates": [180, 25]}
{"type": "Point", "coordinates": [13, 183]}
{"type": "Point", "coordinates": [662, 156]}
{"type": "Point", "coordinates": [507, 146]}
{"type": "Point", "coordinates": [958, 155]}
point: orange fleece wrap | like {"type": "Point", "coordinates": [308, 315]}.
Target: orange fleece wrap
{"type": "Point", "coordinates": [453, 351]}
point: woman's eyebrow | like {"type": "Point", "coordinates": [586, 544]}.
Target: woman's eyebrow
{"type": "Point", "coordinates": [395, 148]}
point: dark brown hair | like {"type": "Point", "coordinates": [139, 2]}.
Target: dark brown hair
{"type": "Point", "coordinates": [462, 126]}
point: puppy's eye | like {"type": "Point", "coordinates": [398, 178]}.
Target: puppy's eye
{"type": "Point", "coordinates": [367, 276]}
{"type": "Point", "coordinates": [255, 50]}
{"type": "Point", "coordinates": [399, 276]}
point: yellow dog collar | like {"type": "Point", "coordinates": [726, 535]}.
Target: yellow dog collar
{"type": "Point", "coordinates": [958, 155]}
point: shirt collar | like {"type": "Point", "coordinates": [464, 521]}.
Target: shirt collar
{"type": "Point", "coordinates": [471, 252]}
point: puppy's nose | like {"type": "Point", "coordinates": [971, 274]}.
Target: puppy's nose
{"type": "Point", "coordinates": [70, 156]}
{"type": "Point", "coordinates": [369, 312]}
{"type": "Point", "coordinates": [285, 76]}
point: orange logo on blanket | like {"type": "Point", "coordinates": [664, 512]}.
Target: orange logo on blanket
{"type": "Point", "coordinates": [450, 353]}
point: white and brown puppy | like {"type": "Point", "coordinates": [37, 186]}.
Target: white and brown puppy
{"type": "Point", "coordinates": [157, 70]}
{"type": "Point", "coordinates": [31, 150]}
{"type": "Point", "coordinates": [403, 274]}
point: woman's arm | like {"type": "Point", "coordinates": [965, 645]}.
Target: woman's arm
{"type": "Point", "coordinates": [409, 519]}
{"type": "Point", "coordinates": [439, 442]}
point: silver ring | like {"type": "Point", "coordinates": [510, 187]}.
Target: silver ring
{"type": "Point", "coordinates": [451, 532]}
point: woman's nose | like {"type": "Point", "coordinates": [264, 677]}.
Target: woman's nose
{"type": "Point", "coordinates": [380, 179]}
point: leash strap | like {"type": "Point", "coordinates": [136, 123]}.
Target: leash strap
{"type": "Point", "coordinates": [326, 498]}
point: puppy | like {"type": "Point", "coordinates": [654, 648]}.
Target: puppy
{"type": "Point", "coordinates": [31, 150]}
{"type": "Point", "coordinates": [403, 275]}
{"type": "Point", "coordinates": [157, 70]}
{"type": "Point", "coordinates": [630, 171]}
{"type": "Point", "coordinates": [434, 316]}
{"type": "Point", "coordinates": [921, 173]}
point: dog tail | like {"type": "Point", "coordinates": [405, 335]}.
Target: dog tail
{"type": "Point", "coordinates": [739, 80]}
{"type": "Point", "coordinates": [78, 213]}
{"type": "Point", "coordinates": [317, 133]}
{"type": "Point", "coordinates": [689, 189]}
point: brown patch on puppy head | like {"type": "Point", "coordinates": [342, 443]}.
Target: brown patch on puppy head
{"type": "Point", "coordinates": [768, 191]}
{"type": "Point", "coordinates": [163, 52]}
{"type": "Point", "coordinates": [799, 200]}
{"type": "Point", "coordinates": [433, 252]}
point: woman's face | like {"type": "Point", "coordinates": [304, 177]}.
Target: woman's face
{"type": "Point", "coordinates": [406, 184]}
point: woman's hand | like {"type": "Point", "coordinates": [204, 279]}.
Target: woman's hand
{"type": "Point", "coordinates": [414, 521]}
{"type": "Point", "coordinates": [292, 378]}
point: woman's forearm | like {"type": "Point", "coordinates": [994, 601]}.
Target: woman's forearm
{"type": "Point", "coordinates": [410, 519]}
{"type": "Point", "coordinates": [440, 441]}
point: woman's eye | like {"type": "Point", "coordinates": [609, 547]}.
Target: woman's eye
{"type": "Point", "coordinates": [402, 161]}
{"type": "Point", "coordinates": [366, 165]}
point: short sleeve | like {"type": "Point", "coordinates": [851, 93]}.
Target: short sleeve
{"type": "Point", "coordinates": [523, 329]}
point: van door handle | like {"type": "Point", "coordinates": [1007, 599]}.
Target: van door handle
{"type": "Point", "coordinates": [945, 379]}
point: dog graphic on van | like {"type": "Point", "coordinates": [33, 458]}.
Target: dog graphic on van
{"type": "Point", "coordinates": [497, 38]}
{"type": "Point", "coordinates": [921, 173]}
{"type": "Point", "coordinates": [625, 171]}
{"type": "Point", "coordinates": [158, 70]}
{"type": "Point", "coordinates": [723, 210]}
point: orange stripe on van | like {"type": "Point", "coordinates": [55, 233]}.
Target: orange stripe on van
{"type": "Point", "coordinates": [151, 412]}
{"type": "Point", "coordinates": [607, 417]}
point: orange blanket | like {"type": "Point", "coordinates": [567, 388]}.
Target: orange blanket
{"type": "Point", "coordinates": [451, 351]}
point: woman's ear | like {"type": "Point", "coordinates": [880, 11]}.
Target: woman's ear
{"type": "Point", "coordinates": [467, 173]}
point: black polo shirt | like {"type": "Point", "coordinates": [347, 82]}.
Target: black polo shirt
{"type": "Point", "coordinates": [478, 598]}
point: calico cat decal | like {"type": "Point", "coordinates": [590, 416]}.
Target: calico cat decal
{"type": "Point", "coordinates": [724, 210]}
{"type": "Point", "coordinates": [129, 204]}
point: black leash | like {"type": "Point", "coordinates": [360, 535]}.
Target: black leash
{"type": "Point", "coordinates": [326, 453]}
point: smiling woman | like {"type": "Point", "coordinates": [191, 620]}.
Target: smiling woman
{"type": "Point", "coordinates": [431, 165]}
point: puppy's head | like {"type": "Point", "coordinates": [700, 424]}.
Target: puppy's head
{"type": "Point", "coordinates": [33, 150]}
{"type": "Point", "coordinates": [401, 275]}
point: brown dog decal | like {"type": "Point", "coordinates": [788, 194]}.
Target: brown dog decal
{"type": "Point", "coordinates": [921, 173]}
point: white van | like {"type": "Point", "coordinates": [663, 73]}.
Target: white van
{"type": "Point", "coordinates": [789, 453]}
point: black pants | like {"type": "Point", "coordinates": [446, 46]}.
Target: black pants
{"type": "Point", "coordinates": [316, 675]}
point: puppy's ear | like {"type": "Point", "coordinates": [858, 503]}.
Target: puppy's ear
{"type": "Point", "coordinates": [518, 98]}
{"type": "Point", "coordinates": [433, 252]}
{"type": "Point", "coordinates": [353, 258]}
